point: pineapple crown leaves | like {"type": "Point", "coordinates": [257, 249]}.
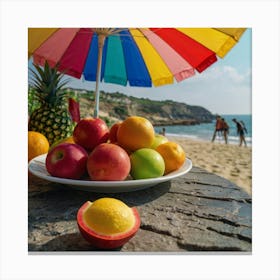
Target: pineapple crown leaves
{"type": "Point", "coordinates": [48, 84]}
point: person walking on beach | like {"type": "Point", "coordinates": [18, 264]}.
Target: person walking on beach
{"type": "Point", "coordinates": [218, 127]}
{"type": "Point", "coordinates": [163, 131]}
{"type": "Point", "coordinates": [225, 130]}
{"type": "Point", "coordinates": [241, 129]}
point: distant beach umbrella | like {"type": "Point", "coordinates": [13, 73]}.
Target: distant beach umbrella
{"type": "Point", "coordinates": [142, 57]}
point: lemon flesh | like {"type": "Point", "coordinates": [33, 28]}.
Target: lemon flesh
{"type": "Point", "coordinates": [109, 216]}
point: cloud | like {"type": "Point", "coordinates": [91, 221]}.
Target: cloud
{"type": "Point", "coordinates": [223, 73]}
{"type": "Point", "coordinates": [234, 75]}
{"type": "Point", "coordinates": [220, 89]}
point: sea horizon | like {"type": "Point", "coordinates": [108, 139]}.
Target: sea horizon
{"type": "Point", "coordinates": [204, 131]}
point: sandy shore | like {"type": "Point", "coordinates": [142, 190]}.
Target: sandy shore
{"type": "Point", "coordinates": [229, 161]}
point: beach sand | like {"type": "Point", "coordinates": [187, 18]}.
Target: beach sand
{"type": "Point", "coordinates": [228, 161]}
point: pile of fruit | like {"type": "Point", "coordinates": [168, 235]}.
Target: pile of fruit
{"type": "Point", "coordinates": [81, 148]}
{"type": "Point", "coordinates": [128, 148]}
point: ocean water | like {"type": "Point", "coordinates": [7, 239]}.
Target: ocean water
{"type": "Point", "coordinates": [205, 131]}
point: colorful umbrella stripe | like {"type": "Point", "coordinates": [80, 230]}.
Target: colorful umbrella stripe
{"type": "Point", "coordinates": [138, 56]}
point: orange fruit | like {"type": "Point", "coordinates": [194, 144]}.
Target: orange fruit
{"type": "Point", "coordinates": [135, 133]}
{"type": "Point", "coordinates": [173, 154]}
{"type": "Point", "coordinates": [38, 144]}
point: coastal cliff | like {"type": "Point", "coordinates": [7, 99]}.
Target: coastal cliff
{"type": "Point", "coordinates": [117, 106]}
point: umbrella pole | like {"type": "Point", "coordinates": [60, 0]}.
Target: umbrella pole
{"type": "Point", "coordinates": [101, 39]}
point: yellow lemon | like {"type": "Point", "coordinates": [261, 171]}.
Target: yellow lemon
{"type": "Point", "coordinates": [109, 216]}
{"type": "Point", "coordinates": [69, 139]}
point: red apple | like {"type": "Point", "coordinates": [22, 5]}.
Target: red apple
{"type": "Point", "coordinates": [90, 132]}
{"type": "Point", "coordinates": [108, 162]}
{"type": "Point", "coordinates": [67, 160]}
{"type": "Point", "coordinates": [113, 132]}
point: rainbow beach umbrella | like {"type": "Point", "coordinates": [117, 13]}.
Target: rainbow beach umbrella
{"type": "Point", "coordinates": [142, 57]}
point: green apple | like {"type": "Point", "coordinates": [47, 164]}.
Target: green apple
{"type": "Point", "coordinates": [159, 139]}
{"type": "Point", "coordinates": [146, 163]}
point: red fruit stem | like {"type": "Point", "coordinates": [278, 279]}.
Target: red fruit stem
{"type": "Point", "coordinates": [74, 109]}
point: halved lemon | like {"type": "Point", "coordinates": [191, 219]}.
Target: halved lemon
{"type": "Point", "coordinates": [108, 222]}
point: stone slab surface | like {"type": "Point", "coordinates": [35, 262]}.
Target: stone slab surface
{"type": "Point", "coordinates": [196, 212]}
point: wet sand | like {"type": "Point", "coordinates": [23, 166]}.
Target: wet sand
{"type": "Point", "coordinates": [229, 161]}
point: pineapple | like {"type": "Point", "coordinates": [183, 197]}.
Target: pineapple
{"type": "Point", "coordinates": [52, 118]}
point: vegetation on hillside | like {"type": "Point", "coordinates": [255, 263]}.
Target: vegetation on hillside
{"type": "Point", "coordinates": [117, 106]}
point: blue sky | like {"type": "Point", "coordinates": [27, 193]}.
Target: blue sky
{"type": "Point", "coordinates": [223, 88]}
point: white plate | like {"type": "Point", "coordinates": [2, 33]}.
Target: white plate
{"type": "Point", "coordinates": [37, 167]}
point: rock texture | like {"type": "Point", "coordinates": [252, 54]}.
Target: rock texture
{"type": "Point", "coordinates": [117, 106]}
{"type": "Point", "coordinates": [196, 212]}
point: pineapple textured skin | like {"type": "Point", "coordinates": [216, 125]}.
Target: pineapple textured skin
{"type": "Point", "coordinates": [52, 118]}
{"type": "Point", "coordinates": [54, 123]}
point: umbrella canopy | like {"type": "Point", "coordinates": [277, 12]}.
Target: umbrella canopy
{"type": "Point", "coordinates": [143, 57]}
